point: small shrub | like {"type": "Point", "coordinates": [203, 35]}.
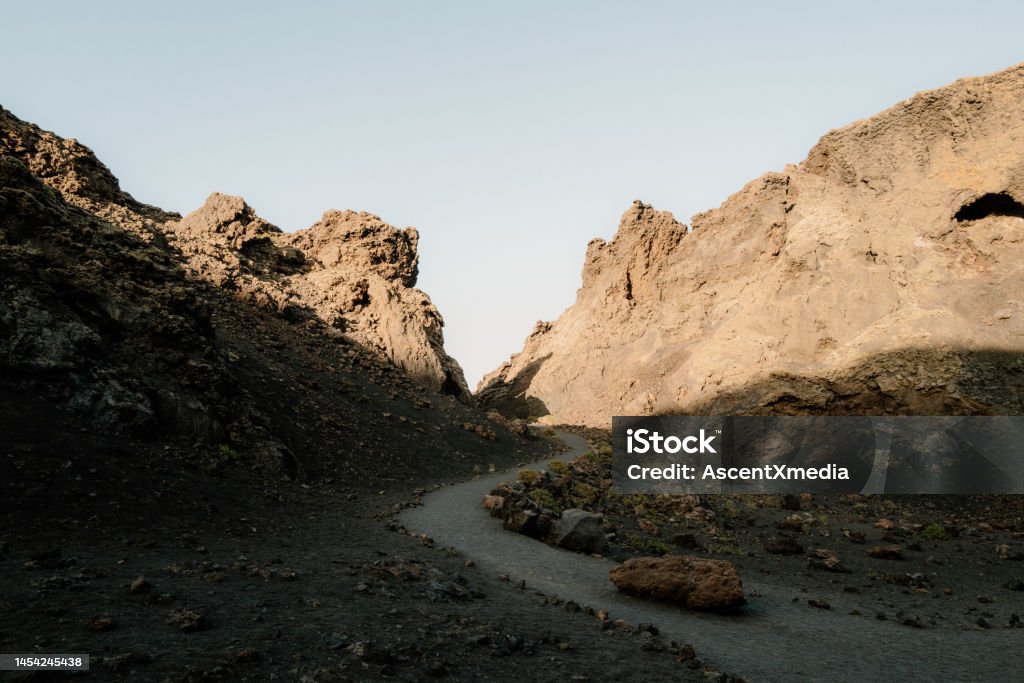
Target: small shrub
{"type": "Point", "coordinates": [647, 544]}
{"type": "Point", "coordinates": [935, 532]}
{"type": "Point", "coordinates": [558, 467]}
{"type": "Point", "coordinates": [585, 492]}
{"type": "Point", "coordinates": [726, 549]}
{"type": "Point", "coordinates": [528, 476]}
{"type": "Point", "coordinates": [544, 499]}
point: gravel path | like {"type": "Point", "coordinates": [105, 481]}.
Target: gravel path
{"type": "Point", "coordinates": [774, 640]}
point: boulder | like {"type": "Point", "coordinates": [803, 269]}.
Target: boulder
{"type": "Point", "coordinates": [580, 530]}
{"type": "Point", "coordinates": [684, 580]}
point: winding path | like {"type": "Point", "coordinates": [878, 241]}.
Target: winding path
{"type": "Point", "coordinates": [775, 640]}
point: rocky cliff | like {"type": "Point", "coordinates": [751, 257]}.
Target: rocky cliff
{"type": "Point", "coordinates": [215, 339]}
{"type": "Point", "coordinates": [350, 273]}
{"type": "Point", "coordinates": [880, 275]}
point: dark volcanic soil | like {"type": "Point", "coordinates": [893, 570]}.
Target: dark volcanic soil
{"type": "Point", "coordinates": [197, 485]}
{"type": "Point", "coordinates": [167, 572]}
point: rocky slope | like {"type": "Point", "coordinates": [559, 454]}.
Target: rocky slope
{"type": "Point", "coordinates": [216, 338]}
{"type": "Point", "coordinates": [880, 275]}
{"type": "Point", "coordinates": [350, 273]}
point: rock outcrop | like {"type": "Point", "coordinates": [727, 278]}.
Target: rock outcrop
{"type": "Point", "coordinates": [880, 275]}
{"type": "Point", "coordinates": [350, 272]}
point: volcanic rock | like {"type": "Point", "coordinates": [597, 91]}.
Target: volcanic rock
{"type": "Point", "coordinates": [880, 275]}
{"type": "Point", "coordinates": [212, 332]}
{"type": "Point", "coordinates": [688, 581]}
{"type": "Point", "coordinates": [351, 271]}
{"type": "Point", "coordinates": [579, 530]}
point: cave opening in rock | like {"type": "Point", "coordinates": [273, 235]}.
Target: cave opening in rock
{"type": "Point", "coordinates": [450, 386]}
{"type": "Point", "coordinates": [990, 204]}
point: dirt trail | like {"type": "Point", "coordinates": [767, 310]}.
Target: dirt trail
{"type": "Point", "coordinates": [774, 640]}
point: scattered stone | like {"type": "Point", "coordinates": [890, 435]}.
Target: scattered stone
{"type": "Point", "coordinates": [796, 522]}
{"type": "Point", "coordinates": [826, 560]}
{"type": "Point", "coordinates": [186, 620]}
{"type": "Point", "coordinates": [910, 620]}
{"type": "Point", "coordinates": [684, 653]}
{"type": "Point", "coordinates": [371, 653]}
{"type": "Point", "coordinates": [886, 552]}
{"type": "Point", "coordinates": [820, 604]}
{"type": "Point", "coordinates": [140, 585]}
{"type": "Point", "coordinates": [854, 536]}
{"type": "Point", "coordinates": [1007, 552]}
{"type": "Point", "coordinates": [693, 582]}
{"type": "Point", "coordinates": [647, 628]}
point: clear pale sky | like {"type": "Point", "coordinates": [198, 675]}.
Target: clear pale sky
{"type": "Point", "coordinates": [509, 133]}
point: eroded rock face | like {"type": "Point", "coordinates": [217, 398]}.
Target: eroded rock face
{"type": "Point", "coordinates": [204, 341]}
{"type": "Point", "coordinates": [881, 275]}
{"type": "Point", "coordinates": [684, 580]}
{"type": "Point", "coordinates": [350, 271]}
{"type": "Point", "coordinates": [94, 318]}
{"type": "Point", "coordinates": [360, 278]}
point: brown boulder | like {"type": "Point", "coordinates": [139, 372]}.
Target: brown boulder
{"type": "Point", "coordinates": [886, 552]}
{"type": "Point", "coordinates": [688, 581]}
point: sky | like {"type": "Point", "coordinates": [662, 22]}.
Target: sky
{"type": "Point", "coordinates": [508, 133]}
